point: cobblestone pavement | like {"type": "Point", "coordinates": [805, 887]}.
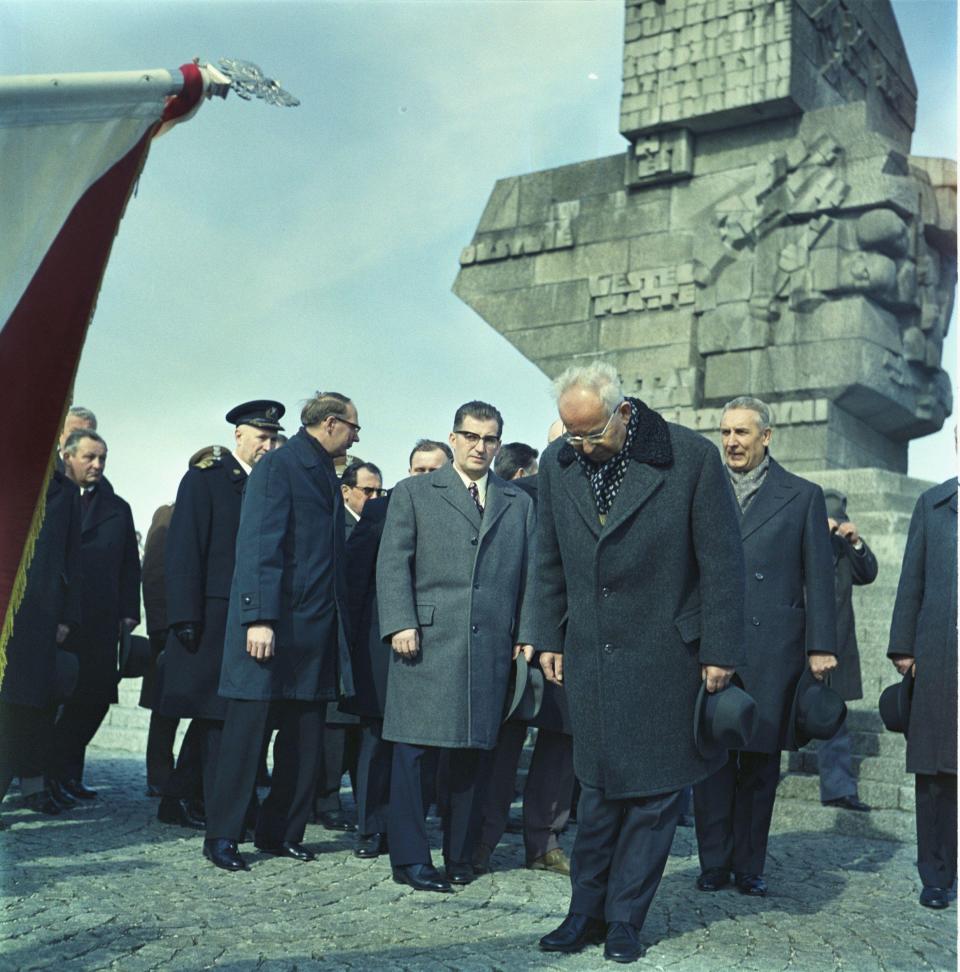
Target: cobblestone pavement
{"type": "Point", "coordinates": [108, 887]}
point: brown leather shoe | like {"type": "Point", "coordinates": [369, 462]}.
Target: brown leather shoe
{"type": "Point", "coordinates": [554, 860]}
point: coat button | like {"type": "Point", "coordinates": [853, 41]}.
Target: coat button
{"type": "Point", "coordinates": [608, 649]}
{"type": "Point", "coordinates": [247, 599]}
{"type": "Point", "coordinates": [755, 622]}
{"type": "Point", "coordinates": [605, 591]}
{"type": "Point", "coordinates": [473, 540]}
{"type": "Point", "coordinates": [474, 628]}
{"type": "Point", "coordinates": [476, 587]}
{"type": "Point", "coordinates": [758, 575]}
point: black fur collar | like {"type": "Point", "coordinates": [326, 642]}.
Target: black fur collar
{"type": "Point", "coordinates": [651, 444]}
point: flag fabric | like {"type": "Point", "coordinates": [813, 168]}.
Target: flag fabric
{"type": "Point", "coordinates": [71, 149]}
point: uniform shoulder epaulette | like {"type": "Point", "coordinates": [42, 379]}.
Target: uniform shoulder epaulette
{"type": "Point", "coordinates": [209, 457]}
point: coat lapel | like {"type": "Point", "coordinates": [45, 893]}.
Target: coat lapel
{"type": "Point", "coordinates": [451, 487]}
{"type": "Point", "coordinates": [639, 483]}
{"type": "Point", "coordinates": [101, 508]}
{"type": "Point", "coordinates": [774, 494]}
{"type": "Point", "coordinates": [578, 487]}
{"type": "Point", "coordinates": [499, 496]}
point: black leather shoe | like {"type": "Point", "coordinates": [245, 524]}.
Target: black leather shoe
{"type": "Point", "coordinates": [848, 803]}
{"type": "Point", "coordinates": [481, 859]}
{"type": "Point", "coordinates": [458, 872]}
{"type": "Point", "coordinates": [224, 854]}
{"type": "Point", "coordinates": [77, 790]}
{"type": "Point", "coordinates": [170, 810]}
{"type": "Point", "coordinates": [713, 879]}
{"type": "Point", "coordinates": [751, 884]}
{"type": "Point", "coordinates": [42, 802]}
{"type": "Point", "coordinates": [60, 795]}
{"type": "Point", "coordinates": [369, 846]}
{"type": "Point", "coordinates": [574, 933]}
{"type": "Point", "coordinates": [421, 877]}
{"type": "Point", "coordinates": [287, 849]}
{"type": "Point", "coordinates": [335, 820]}
{"type": "Point", "coordinates": [623, 942]}
{"type": "Point", "coordinates": [934, 898]}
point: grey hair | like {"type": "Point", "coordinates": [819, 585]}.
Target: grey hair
{"type": "Point", "coordinates": [598, 376]}
{"type": "Point", "coordinates": [77, 436]}
{"type": "Point", "coordinates": [78, 411]}
{"type": "Point", "coordinates": [754, 405]}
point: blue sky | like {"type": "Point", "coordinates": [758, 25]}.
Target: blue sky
{"type": "Point", "coordinates": [271, 252]}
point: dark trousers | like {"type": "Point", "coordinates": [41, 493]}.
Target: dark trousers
{"type": "Point", "coordinates": [296, 751]}
{"type": "Point", "coordinates": [733, 809]}
{"type": "Point", "coordinates": [76, 725]}
{"type": "Point", "coordinates": [160, 737]}
{"type": "Point", "coordinates": [546, 795]}
{"type": "Point", "coordinates": [194, 776]}
{"type": "Point", "coordinates": [407, 827]}
{"type": "Point", "coordinates": [341, 747]}
{"type": "Point", "coordinates": [619, 854]}
{"type": "Point", "coordinates": [25, 739]}
{"type": "Point", "coordinates": [373, 779]}
{"type": "Point", "coordinates": [937, 829]}
{"type": "Point", "coordinates": [835, 765]}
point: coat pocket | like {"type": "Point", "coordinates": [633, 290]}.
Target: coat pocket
{"type": "Point", "coordinates": [689, 626]}
{"type": "Point", "coordinates": [425, 614]}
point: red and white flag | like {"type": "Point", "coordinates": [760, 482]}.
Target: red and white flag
{"type": "Point", "coordinates": [71, 148]}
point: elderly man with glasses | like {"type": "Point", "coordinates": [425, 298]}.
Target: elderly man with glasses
{"type": "Point", "coordinates": [453, 589]}
{"type": "Point", "coordinates": [639, 600]}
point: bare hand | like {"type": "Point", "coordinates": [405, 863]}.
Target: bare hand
{"type": "Point", "coordinates": [820, 663]}
{"type": "Point", "coordinates": [849, 532]}
{"type": "Point", "coordinates": [62, 631]}
{"type": "Point", "coordinates": [260, 641]}
{"type": "Point", "coordinates": [406, 643]}
{"type": "Point", "coordinates": [904, 664]}
{"type": "Point", "coordinates": [552, 664]}
{"type": "Point", "coordinates": [717, 678]}
{"type": "Point", "coordinates": [527, 652]}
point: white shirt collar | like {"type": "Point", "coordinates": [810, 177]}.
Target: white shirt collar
{"type": "Point", "coordinates": [349, 510]}
{"type": "Point", "coordinates": [481, 483]}
{"type": "Point", "coordinates": [247, 469]}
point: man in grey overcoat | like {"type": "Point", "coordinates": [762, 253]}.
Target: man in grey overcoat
{"type": "Point", "coordinates": [286, 647]}
{"type": "Point", "coordinates": [923, 639]}
{"type": "Point", "coordinates": [790, 622]}
{"type": "Point", "coordinates": [639, 599]}
{"type": "Point", "coordinates": [453, 589]}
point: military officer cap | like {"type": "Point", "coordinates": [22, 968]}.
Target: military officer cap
{"type": "Point", "coordinates": [263, 414]}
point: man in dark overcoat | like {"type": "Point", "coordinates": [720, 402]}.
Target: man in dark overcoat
{"type": "Point", "coordinates": [640, 599]}
{"type": "Point", "coordinates": [111, 599]}
{"type": "Point", "coordinates": [853, 564]}
{"type": "Point", "coordinates": [548, 788]}
{"type": "Point", "coordinates": [370, 659]}
{"type": "Point", "coordinates": [286, 649]}
{"type": "Point", "coordinates": [790, 623]}
{"type": "Point", "coordinates": [50, 609]}
{"type": "Point", "coordinates": [198, 570]}
{"type": "Point", "coordinates": [923, 639]}
{"type": "Point", "coordinates": [453, 587]}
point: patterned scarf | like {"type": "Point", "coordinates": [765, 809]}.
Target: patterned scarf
{"type": "Point", "coordinates": [605, 479]}
{"type": "Point", "coordinates": [746, 485]}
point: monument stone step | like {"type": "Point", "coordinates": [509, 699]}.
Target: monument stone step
{"type": "Point", "coordinates": [879, 824]}
{"type": "Point", "coordinates": [805, 787]}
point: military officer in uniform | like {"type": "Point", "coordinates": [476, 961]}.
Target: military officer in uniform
{"type": "Point", "coordinates": [198, 569]}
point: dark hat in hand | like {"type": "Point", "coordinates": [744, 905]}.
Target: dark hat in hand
{"type": "Point", "coordinates": [723, 720]}
{"type": "Point", "coordinates": [135, 655]}
{"type": "Point", "coordinates": [817, 712]}
{"type": "Point", "coordinates": [263, 413]}
{"type": "Point", "coordinates": [836, 504]}
{"type": "Point", "coordinates": [524, 691]}
{"type": "Point", "coordinates": [895, 702]}
{"type": "Point", "coordinates": [66, 674]}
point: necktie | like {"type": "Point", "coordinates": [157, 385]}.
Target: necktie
{"type": "Point", "coordinates": [87, 499]}
{"type": "Point", "coordinates": [475, 495]}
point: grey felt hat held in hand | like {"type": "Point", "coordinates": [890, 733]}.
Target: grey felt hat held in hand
{"type": "Point", "coordinates": [723, 720]}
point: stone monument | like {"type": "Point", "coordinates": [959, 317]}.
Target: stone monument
{"type": "Point", "coordinates": [766, 231]}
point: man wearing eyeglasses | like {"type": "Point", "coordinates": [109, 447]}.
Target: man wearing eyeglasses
{"type": "Point", "coordinates": [639, 600]}
{"type": "Point", "coordinates": [361, 481]}
{"type": "Point", "coordinates": [453, 583]}
{"type": "Point", "coordinates": [286, 649]}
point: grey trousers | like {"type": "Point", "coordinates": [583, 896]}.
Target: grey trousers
{"type": "Point", "coordinates": [620, 853]}
{"type": "Point", "coordinates": [835, 763]}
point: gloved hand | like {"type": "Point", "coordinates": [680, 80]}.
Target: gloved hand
{"type": "Point", "coordinates": [188, 634]}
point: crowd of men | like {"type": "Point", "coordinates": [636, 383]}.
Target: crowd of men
{"type": "Point", "coordinates": [667, 616]}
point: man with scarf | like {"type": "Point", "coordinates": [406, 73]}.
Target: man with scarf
{"type": "Point", "coordinates": [639, 600]}
{"type": "Point", "coordinates": [790, 623]}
